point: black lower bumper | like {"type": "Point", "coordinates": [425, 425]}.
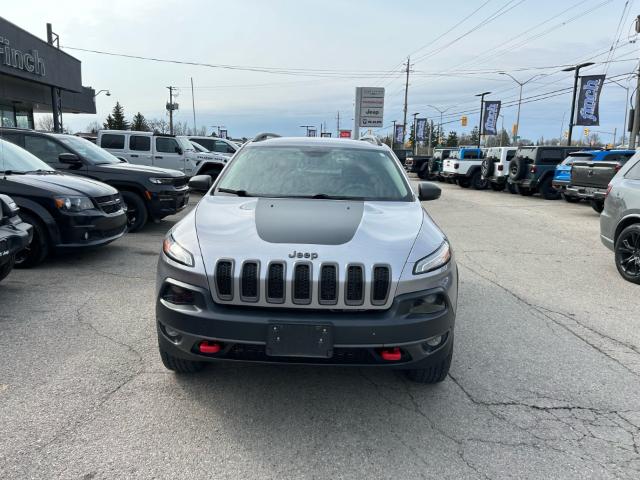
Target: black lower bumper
{"type": "Point", "coordinates": [90, 229]}
{"type": "Point", "coordinates": [358, 337]}
{"type": "Point", "coordinates": [167, 202]}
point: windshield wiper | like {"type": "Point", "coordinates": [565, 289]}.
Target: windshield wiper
{"type": "Point", "coordinates": [12, 172]}
{"type": "Point", "coordinates": [239, 193]}
{"type": "Point", "coordinates": [325, 196]}
{"type": "Point", "coordinates": [40, 170]}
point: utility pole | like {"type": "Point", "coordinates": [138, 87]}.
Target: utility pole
{"type": "Point", "coordinates": [406, 95]}
{"type": "Point", "coordinates": [415, 134]}
{"type": "Point", "coordinates": [636, 116]}
{"type": "Point", "coordinates": [338, 125]}
{"type": "Point", "coordinates": [429, 152]}
{"type": "Point", "coordinates": [193, 104]}
{"type": "Point", "coordinates": [53, 39]}
{"type": "Point", "coordinates": [170, 108]}
{"type": "Point", "coordinates": [393, 136]}
{"type": "Point", "coordinates": [575, 69]}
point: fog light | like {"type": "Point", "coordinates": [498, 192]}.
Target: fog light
{"type": "Point", "coordinates": [171, 332]}
{"type": "Point", "coordinates": [86, 235]}
{"type": "Point", "coordinates": [178, 295]}
{"type": "Point", "coordinates": [434, 341]}
{"type": "Point", "coordinates": [433, 303]}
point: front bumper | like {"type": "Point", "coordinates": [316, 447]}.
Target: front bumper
{"type": "Point", "coordinates": [589, 193]}
{"type": "Point", "coordinates": [167, 202]}
{"type": "Point", "coordinates": [14, 238]}
{"type": "Point", "coordinates": [90, 228]}
{"type": "Point", "coordinates": [357, 335]}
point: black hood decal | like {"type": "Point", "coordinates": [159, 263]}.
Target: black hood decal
{"type": "Point", "coordinates": [308, 221]}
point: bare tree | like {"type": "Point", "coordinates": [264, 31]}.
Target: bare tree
{"type": "Point", "coordinates": [93, 127]}
{"type": "Point", "coordinates": [158, 125]}
{"type": "Point", "coordinates": [45, 123]}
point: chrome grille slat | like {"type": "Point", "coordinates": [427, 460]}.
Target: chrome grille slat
{"type": "Point", "coordinates": [381, 281]}
{"type": "Point", "coordinates": [328, 289]}
{"type": "Point", "coordinates": [224, 279]}
{"type": "Point", "coordinates": [302, 284]}
{"type": "Point", "coordinates": [354, 287]}
{"type": "Point", "coordinates": [249, 281]}
{"type": "Point", "coordinates": [276, 282]}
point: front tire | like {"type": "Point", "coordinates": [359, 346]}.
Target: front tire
{"type": "Point", "coordinates": [435, 373]}
{"type": "Point", "coordinates": [179, 365]}
{"type": "Point", "coordinates": [524, 191]}
{"type": "Point", "coordinates": [34, 253]}
{"type": "Point", "coordinates": [627, 253]}
{"type": "Point", "coordinates": [464, 182]}
{"type": "Point", "coordinates": [137, 214]}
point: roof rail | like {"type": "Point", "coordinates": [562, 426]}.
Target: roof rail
{"type": "Point", "coordinates": [371, 139]}
{"type": "Point", "coordinates": [264, 136]}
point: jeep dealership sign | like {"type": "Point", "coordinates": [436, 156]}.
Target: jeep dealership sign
{"type": "Point", "coordinates": [27, 57]}
{"type": "Point", "coordinates": [369, 107]}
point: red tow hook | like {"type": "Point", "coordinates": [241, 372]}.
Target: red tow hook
{"type": "Point", "coordinates": [391, 354]}
{"type": "Point", "coordinates": [209, 347]}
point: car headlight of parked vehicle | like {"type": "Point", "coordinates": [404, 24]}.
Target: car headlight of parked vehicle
{"type": "Point", "coordinates": [435, 260]}
{"type": "Point", "coordinates": [161, 181]}
{"type": "Point", "coordinates": [177, 252]}
{"type": "Point", "coordinates": [74, 204]}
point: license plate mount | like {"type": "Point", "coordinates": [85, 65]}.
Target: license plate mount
{"type": "Point", "coordinates": [299, 340]}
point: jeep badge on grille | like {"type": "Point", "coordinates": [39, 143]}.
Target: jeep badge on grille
{"type": "Point", "coordinates": [311, 255]}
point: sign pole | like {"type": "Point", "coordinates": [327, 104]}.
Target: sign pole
{"type": "Point", "coordinates": [356, 125]}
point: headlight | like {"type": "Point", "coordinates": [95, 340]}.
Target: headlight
{"type": "Point", "coordinates": [74, 204]}
{"type": "Point", "coordinates": [161, 181]}
{"type": "Point", "coordinates": [434, 261]}
{"type": "Point", "coordinates": [177, 252]}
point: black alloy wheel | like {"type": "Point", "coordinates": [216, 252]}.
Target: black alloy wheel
{"type": "Point", "coordinates": [627, 253]}
{"type": "Point", "coordinates": [137, 215]}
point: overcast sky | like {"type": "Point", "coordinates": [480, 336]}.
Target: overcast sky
{"type": "Point", "coordinates": [348, 38]}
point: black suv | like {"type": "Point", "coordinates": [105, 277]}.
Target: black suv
{"type": "Point", "coordinates": [148, 192]}
{"type": "Point", "coordinates": [15, 234]}
{"type": "Point", "coordinates": [532, 169]}
{"type": "Point", "coordinates": [64, 210]}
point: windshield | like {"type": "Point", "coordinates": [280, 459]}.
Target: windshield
{"type": "Point", "coordinates": [346, 173]}
{"type": "Point", "coordinates": [18, 160]}
{"type": "Point", "coordinates": [525, 152]}
{"type": "Point", "coordinates": [584, 157]}
{"type": "Point", "coordinates": [185, 143]}
{"type": "Point", "coordinates": [199, 147]}
{"type": "Point", "coordinates": [87, 150]}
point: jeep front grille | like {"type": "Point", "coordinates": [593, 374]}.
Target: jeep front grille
{"type": "Point", "coordinates": [355, 286]}
{"type": "Point", "coordinates": [301, 284]}
{"type": "Point", "coordinates": [224, 279]}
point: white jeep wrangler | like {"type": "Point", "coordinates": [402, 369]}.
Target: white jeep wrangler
{"type": "Point", "coordinates": [463, 167]}
{"type": "Point", "coordinates": [495, 167]}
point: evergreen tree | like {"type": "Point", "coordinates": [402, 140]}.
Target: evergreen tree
{"type": "Point", "coordinates": [475, 135]}
{"type": "Point", "coordinates": [452, 139]}
{"type": "Point", "coordinates": [116, 120]}
{"type": "Point", "coordinates": [139, 123]}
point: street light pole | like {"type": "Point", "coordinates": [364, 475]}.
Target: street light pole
{"type": "Point", "coordinates": [575, 69]}
{"type": "Point", "coordinates": [307, 127]}
{"type": "Point", "coordinates": [481, 95]}
{"type": "Point", "coordinates": [441, 112]}
{"type": "Point", "coordinates": [626, 108]}
{"type": "Point", "coordinates": [107, 93]}
{"type": "Point", "coordinates": [516, 132]}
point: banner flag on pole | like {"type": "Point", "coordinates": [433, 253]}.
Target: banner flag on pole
{"type": "Point", "coordinates": [421, 129]}
{"type": "Point", "coordinates": [490, 120]}
{"type": "Point", "coordinates": [589, 100]}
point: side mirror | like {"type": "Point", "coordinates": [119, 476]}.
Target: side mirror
{"type": "Point", "coordinates": [179, 150]}
{"type": "Point", "coordinates": [7, 206]}
{"type": "Point", "coordinates": [69, 159]}
{"type": "Point", "coordinates": [428, 191]}
{"type": "Point", "coordinates": [122, 160]}
{"type": "Point", "coordinates": [201, 182]}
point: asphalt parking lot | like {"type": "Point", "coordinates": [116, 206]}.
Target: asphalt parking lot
{"type": "Point", "coordinates": [544, 382]}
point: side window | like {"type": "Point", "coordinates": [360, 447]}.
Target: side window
{"type": "Point", "coordinates": [206, 143]}
{"type": "Point", "coordinates": [110, 140]}
{"type": "Point", "coordinates": [634, 172]}
{"type": "Point", "coordinates": [139, 143]}
{"type": "Point", "coordinates": [510, 156]}
{"type": "Point", "coordinates": [548, 155]}
{"type": "Point", "coordinates": [166, 145]}
{"type": "Point", "coordinates": [16, 138]}
{"type": "Point", "coordinates": [222, 147]}
{"type": "Point", "coordinates": [45, 149]}
{"type": "Point", "coordinates": [618, 157]}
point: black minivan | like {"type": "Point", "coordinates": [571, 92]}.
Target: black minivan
{"type": "Point", "coordinates": [64, 210]}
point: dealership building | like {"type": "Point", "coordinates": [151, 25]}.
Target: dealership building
{"type": "Point", "coordinates": [34, 74]}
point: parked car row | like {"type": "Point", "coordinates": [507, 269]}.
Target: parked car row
{"type": "Point", "coordinates": [60, 191]}
{"type": "Point", "coordinates": [608, 179]}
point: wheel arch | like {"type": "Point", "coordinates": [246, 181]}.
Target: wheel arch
{"type": "Point", "coordinates": [624, 223]}
{"type": "Point", "coordinates": [36, 210]}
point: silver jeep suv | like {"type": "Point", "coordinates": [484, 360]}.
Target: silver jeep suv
{"type": "Point", "coordinates": [312, 251]}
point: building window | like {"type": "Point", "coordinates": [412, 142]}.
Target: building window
{"type": "Point", "coordinates": [24, 118]}
{"type": "Point", "coordinates": [7, 116]}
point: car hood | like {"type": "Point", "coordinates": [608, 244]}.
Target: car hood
{"type": "Point", "coordinates": [141, 169]}
{"type": "Point", "coordinates": [333, 230]}
{"type": "Point", "coordinates": [61, 184]}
